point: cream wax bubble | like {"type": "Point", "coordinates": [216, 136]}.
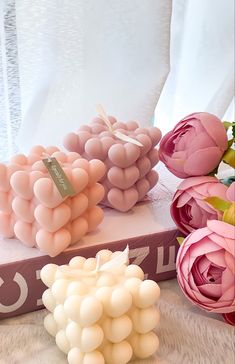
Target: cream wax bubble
{"type": "Point", "coordinates": [32, 208]}
{"type": "Point", "coordinates": [129, 153]}
{"type": "Point", "coordinates": [101, 310]}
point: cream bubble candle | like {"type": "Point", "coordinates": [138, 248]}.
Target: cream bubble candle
{"type": "Point", "coordinates": [128, 152]}
{"type": "Point", "coordinates": [32, 208]}
{"type": "Point", "coordinates": [101, 309]}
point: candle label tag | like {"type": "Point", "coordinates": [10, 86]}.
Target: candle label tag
{"type": "Point", "coordinates": [58, 176]}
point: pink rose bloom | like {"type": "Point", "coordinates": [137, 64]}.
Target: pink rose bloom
{"type": "Point", "coordinates": [189, 210]}
{"type": "Point", "coordinates": [206, 267]}
{"type": "Point", "coordinates": [195, 146]}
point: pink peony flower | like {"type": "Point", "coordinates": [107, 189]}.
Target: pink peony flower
{"type": "Point", "coordinates": [189, 210]}
{"type": "Point", "coordinates": [206, 267]}
{"type": "Point", "coordinates": [195, 146]}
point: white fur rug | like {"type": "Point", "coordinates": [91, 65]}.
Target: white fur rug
{"type": "Point", "coordinates": [187, 336]}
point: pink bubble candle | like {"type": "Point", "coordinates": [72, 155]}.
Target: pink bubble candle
{"type": "Point", "coordinates": [129, 175]}
{"type": "Point", "coordinates": [33, 210]}
{"type": "Point", "coordinates": [101, 309]}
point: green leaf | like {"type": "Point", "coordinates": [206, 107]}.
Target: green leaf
{"type": "Point", "coordinates": [229, 157]}
{"type": "Point", "coordinates": [180, 240]}
{"type": "Point", "coordinates": [230, 142]}
{"type": "Point", "coordinates": [218, 203]}
{"type": "Point", "coordinates": [228, 124]}
{"type": "Point", "coordinates": [229, 215]}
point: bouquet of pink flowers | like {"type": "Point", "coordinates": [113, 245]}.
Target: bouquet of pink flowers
{"type": "Point", "coordinates": [204, 208]}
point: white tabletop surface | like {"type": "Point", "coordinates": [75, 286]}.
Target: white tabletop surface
{"type": "Point", "coordinates": [187, 336]}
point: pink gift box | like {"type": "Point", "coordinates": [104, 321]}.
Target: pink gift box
{"type": "Point", "coordinates": [129, 167]}
{"type": "Point", "coordinates": [147, 228]}
{"type": "Point", "coordinates": [32, 208]}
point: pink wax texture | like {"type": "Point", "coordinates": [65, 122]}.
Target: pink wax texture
{"type": "Point", "coordinates": [129, 167]}
{"type": "Point", "coordinates": [32, 209]}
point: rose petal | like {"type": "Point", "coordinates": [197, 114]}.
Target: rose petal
{"type": "Point", "coordinates": [183, 199]}
{"type": "Point", "coordinates": [230, 262]}
{"type": "Point", "coordinates": [185, 213]}
{"type": "Point", "coordinates": [176, 195]}
{"type": "Point", "coordinates": [189, 292]}
{"type": "Point", "coordinates": [214, 273]}
{"type": "Point", "coordinates": [202, 161]}
{"type": "Point", "coordinates": [205, 206]}
{"type": "Point", "coordinates": [191, 116]}
{"type": "Point", "coordinates": [203, 189]}
{"type": "Point", "coordinates": [217, 257]}
{"type": "Point", "coordinates": [222, 228]}
{"type": "Point", "coordinates": [228, 279]}
{"type": "Point", "coordinates": [197, 125]}
{"type": "Point", "coordinates": [176, 166]}
{"type": "Point", "coordinates": [182, 124]}
{"type": "Point", "coordinates": [178, 219]}
{"type": "Point", "coordinates": [197, 236]}
{"type": "Point", "coordinates": [201, 249]}
{"type": "Point", "coordinates": [226, 302]}
{"type": "Point", "coordinates": [203, 264]}
{"type": "Point", "coordinates": [201, 141]}
{"type": "Point", "coordinates": [180, 255]}
{"type": "Point", "coordinates": [230, 194]}
{"type": "Point", "coordinates": [196, 181]}
{"type": "Point", "coordinates": [197, 216]}
{"type": "Point", "coordinates": [230, 246]}
{"type": "Point", "coordinates": [187, 228]}
{"type": "Point", "coordinates": [229, 318]}
{"type": "Point", "coordinates": [211, 290]}
{"type": "Point", "coordinates": [198, 277]}
{"type": "Point", "coordinates": [185, 267]}
{"type": "Point", "coordinates": [202, 299]}
{"type": "Point", "coordinates": [178, 155]}
{"type": "Point", "coordinates": [217, 189]}
{"type": "Point", "coordinates": [205, 217]}
{"type": "Point", "coordinates": [184, 139]}
{"type": "Point", "coordinates": [219, 240]}
{"type": "Point", "coordinates": [214, 128]}
{"type": "Point", "coordinates": [196, 195]}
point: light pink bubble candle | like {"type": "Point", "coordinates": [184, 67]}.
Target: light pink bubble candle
{"type": "Point", "coordinates": [32, 209]}
{"type": "Point", "coordinates": [102, 311]}
{"type": "Point", "coordinates": [129, 175]}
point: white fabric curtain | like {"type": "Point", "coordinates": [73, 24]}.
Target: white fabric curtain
{"type": "Point", "coordinates": [59, 58]}
{"type": "Point", "coordinates": [202, 62]}
{"type": "Point", "coordinates": [10, 110]}
{"type": "Point", "coordinates": [73, 54]}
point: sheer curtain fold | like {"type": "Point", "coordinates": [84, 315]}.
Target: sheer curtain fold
{"type": "Point", "coordinates": [202, 61]}
{"type": "Point", "coordinates": [58, 59]}
{"type": "Point", "coordinates": [75, 54]}
{"type": "Point", "coordinates": [10, 108]}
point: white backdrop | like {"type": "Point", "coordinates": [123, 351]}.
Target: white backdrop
{"type": "Point", "coordinates": [202, 62]}
{"type": "Point", "coordinates": [74, 54]}
{"type": "Point", "coordinates": [59, 58]}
